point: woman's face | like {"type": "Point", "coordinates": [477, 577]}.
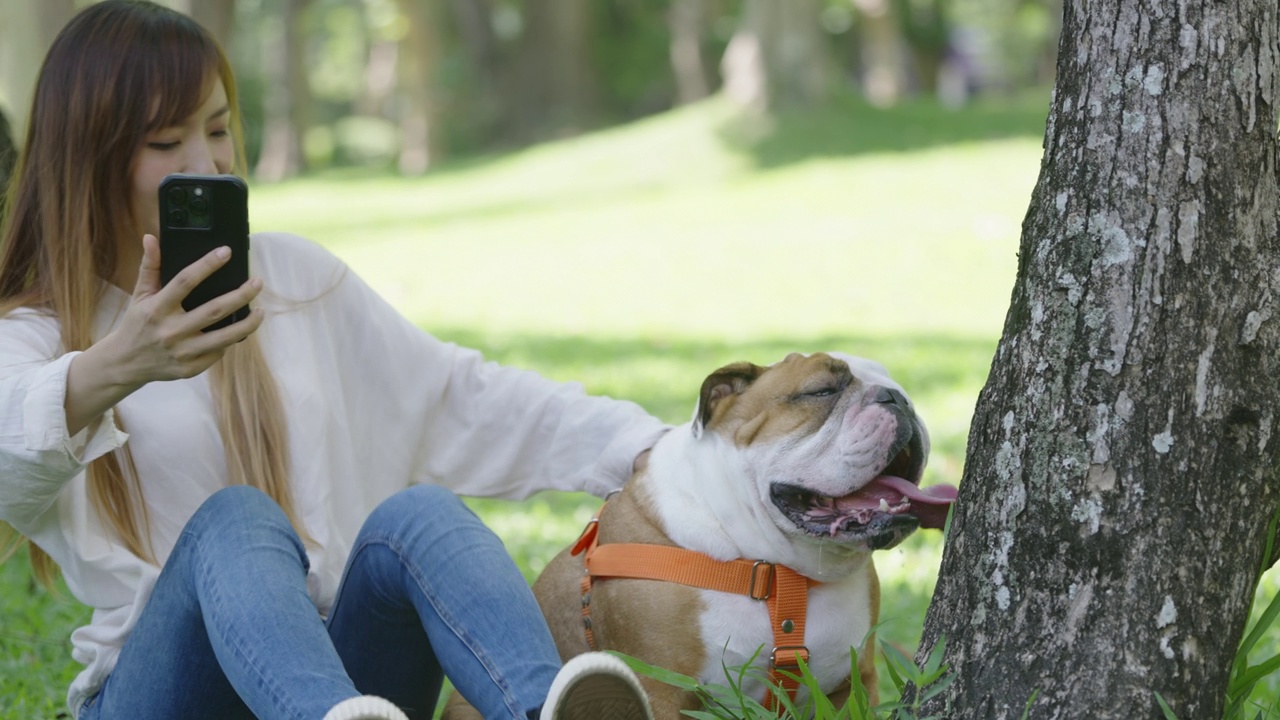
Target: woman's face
{"type": "Point", "coordinates": [200, 144]}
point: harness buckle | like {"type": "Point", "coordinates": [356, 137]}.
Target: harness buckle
{"type": "Point", "coordinates": [787, 657]}
{"type": "Point", "coordinates": [587, 537]}
{"type": "Point", "coordinates": [758, 591]}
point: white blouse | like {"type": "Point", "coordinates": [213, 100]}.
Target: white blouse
{"type": "Point", "coordinates": [372, 403]}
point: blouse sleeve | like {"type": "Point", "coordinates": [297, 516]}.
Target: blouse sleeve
{"type": "Point", "coordinates": [38, 456]}
{"type": "Point", "coordinates": [470, 424]}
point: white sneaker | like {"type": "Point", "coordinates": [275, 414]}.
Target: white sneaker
{"type": "Point", "coordinates": [365, 707]}
{"type": "Point", "coordinates": [596, 686]}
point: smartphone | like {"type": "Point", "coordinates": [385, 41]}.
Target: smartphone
{"type": "Point", "coordinates": [199, 213]}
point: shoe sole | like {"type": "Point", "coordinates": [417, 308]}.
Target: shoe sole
{"type": "Point", "coordinates": [601, 697]}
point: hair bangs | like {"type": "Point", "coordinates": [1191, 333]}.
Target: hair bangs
{"type": "Point", "coordinates": [182, 67]}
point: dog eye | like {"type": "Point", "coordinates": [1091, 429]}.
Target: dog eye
{"type": "Point", "coordinates": [822, 392]}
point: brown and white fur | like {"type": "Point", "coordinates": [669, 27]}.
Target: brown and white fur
{"type": "Point", "coordinates": [756, 474]}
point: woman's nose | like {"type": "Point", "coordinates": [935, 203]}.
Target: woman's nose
{"type": "Point", "coordinates": [200, 160]}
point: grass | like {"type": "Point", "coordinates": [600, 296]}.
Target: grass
{"type": "Point", "coordinates": [638, 259]}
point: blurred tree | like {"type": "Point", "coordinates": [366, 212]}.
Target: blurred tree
{"type": "Point", "coordinates": [287, 104]}
{"type": "Point", "coordinates": [379, 75]}
{"type": "Point", "coordinates": [927, 32]}
{"type": "Point", "coordinates": [27, 29]}
{"type": "Point", "coordinates": [482, 85]}
{"type": "Point", "coordinates": [8, 156]}
{"type": "Point", "coordinates": [689, 22]}
{"type": "Point", "coordinates": [419, 60]}
{"type": "Point", "coordinates": [216, 15]}
{"type": "Point", "coordinates": [884, 51]}
{"type": "Point", "coordinates": [778, 58]}
{"type": "Point", "coordinates": [558, 86]}
{"type": "Point", "coordinates": [1122, 462]}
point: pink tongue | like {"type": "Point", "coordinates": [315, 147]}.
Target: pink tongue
{"type": "Point", "coordinates": [929, 504]}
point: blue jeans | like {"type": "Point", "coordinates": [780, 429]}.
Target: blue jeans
{"type": "Point", "coordinates": [429, 591]}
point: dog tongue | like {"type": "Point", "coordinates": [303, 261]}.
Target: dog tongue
{"type": "Point", "coordinates": [929, 504]}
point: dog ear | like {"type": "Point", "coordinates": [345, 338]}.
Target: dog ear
{"type": "Point", "coordinates": [725, 382]}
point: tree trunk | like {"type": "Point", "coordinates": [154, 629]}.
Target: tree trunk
{"type": "Point", "coordinates": [884, 52]}
{"type": "Point", "coordinates": [778, 57]}
{"type": "Point", "coordinates": [1121, 471]}
{"type": "Point", "coordinates": [486, 101]}
{"type": "Point", "coordinates": [688, 21]}
{"type": "Point", "coordinates": [27, 29]}
{"type": "Point", "coordinates": [8, 156]}
{"type": "Point", "coordinates": [218, 16]}
{"type": "Point", "coordinates": [418, 62]}
{"type": "Point", "coordinates": [559, 93]}
{"type": "Point", "coordinates": [380, 78]}
{"type": "Point", "coordinates": [288, 97]}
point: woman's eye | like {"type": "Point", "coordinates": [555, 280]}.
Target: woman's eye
{"type": "Point", "coordinates": [162, 146]}
{"type": "Point", "coordinates": [220, 133]}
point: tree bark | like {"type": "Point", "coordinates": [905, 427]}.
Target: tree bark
{"type": "Point", "coordinates": [288, 97]}
{"type": "Point", "coordinates": [778, 58]}
{"type": "Point", "coordinates": [1123, 458]}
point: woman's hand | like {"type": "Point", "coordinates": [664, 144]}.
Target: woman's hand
{"type": "Point", "coordinates": [156, 338]}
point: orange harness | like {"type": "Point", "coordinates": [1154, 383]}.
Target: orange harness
{"type": "Point", "coordinates": [784, 590]}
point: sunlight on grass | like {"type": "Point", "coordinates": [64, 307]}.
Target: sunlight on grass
{"type": "Point", "coordinates": [663, 229]}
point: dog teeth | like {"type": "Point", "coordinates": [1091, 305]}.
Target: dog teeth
{"type": "Point", "coordinates": [884, 505]}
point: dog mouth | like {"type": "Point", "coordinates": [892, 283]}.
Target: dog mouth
{"type": "Point", "coordinates": [881, 513]}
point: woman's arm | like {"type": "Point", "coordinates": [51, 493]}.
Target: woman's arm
{"type": "Point", "coordinates": [461, 421]}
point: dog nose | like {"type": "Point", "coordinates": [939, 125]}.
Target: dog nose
{"type": "Point", "coordinates": [889, 396]}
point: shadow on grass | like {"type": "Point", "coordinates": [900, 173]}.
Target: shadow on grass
{"type": "Point", "coordinates": [849, 126]}
{"type": "Point", "coordinates": [665, 374]}
{"type": "Point", "coordinates": [572, 176]}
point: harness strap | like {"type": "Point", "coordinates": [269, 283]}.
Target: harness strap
{"type": "Point", "coordinates": [785, 591]}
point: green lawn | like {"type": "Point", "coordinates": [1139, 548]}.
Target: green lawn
{"type": "Point", "coordinates": [639, 259]}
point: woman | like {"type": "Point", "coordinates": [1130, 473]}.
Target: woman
{"type": "Point", "coordinates": [265, 457]}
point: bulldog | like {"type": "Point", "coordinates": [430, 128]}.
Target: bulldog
{"type": "Point", "coordinates": [800, 469]}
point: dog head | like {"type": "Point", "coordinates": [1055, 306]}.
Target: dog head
{"type": "Point", "coordinates": [828, 446]}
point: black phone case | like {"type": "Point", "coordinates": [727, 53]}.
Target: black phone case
{"type": "Point", "coordinates": [197, 214]}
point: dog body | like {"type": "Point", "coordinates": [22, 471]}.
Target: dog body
{"type": "Point", "coordinates": [783, 464]}
{"type": "Point", "coordinates": [811, 463]}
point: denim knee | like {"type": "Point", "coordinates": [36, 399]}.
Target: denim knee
{"type": "Point", "coordinates": [419, 505]}
{"type": "Point", "coordinates": [243, 515]}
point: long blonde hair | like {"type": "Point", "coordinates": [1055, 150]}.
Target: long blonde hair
{"type": "Point", "coordinates": [118, 71]}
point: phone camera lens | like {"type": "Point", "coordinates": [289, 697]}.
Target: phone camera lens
{"type": "Point", "coordinates": [177, 195]}
{"type": "Point", "coordinates": [199, 206]}
{"type": "Point", "coordinates": [177, 217]}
